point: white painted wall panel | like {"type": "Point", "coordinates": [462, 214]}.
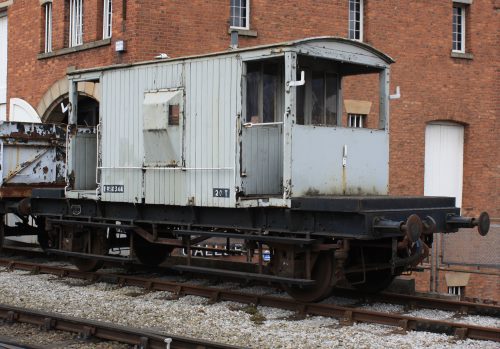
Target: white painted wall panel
{"type": "Point", "coordinates": [444, 144]}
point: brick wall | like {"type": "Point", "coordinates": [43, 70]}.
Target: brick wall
{"type": "Point", "coordinates": [483, 283]}
{"type": "Point", "coordinates": [417, 34]}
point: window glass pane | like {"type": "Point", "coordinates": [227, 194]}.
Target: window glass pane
{"type": "Point", "coordinates": [331, 99]}
{"type": "Point", "coordinates": [318, 98]}
{"type": "Point", "coordinates": [270, 84]}
{"type": "Point", "coordinates": [253, 82]}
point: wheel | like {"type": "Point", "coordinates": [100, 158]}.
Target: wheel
{"type": "Point", "coordinates": [42, 235]}
{"type": "Point", "coordinates": [323, 272]}
{"type": "Point", "coordinates": [99, 247]}
{"type": "Point", "coordinates": [148, 253]}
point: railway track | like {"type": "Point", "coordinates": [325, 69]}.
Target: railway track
{"type": "Point", "coordinates": [347, 315]}
{"type": "Point", "coordinates": [88, 329]}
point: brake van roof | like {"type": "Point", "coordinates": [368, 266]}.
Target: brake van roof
{"type": "Point", "coordinates": [300, 46]}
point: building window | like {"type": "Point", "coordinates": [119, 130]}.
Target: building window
{"type": "Point", "coordinates": [356, 20]}
{"type": "Point", "coordinates": [48, 27]}
{"type": "Point", "coordinates": [240, 14]}
{"type": "Point", "coordinates": [75, 22]}
{"type": "Point", "coordinates": [459, 28]}
{"type": "Point", "coordinates": [107, 24]}
{"type": "Point", "coordinates": [456, 290]}
{"type": "Point", "coordinates": [356, 120]}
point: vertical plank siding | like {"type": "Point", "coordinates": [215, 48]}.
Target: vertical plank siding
{"type": "Point", "coordinates": [211, 90]}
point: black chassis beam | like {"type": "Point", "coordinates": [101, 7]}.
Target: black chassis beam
{"type": "Point", "coordinates": [352, 220]}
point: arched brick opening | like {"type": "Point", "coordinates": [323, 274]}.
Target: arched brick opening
{"type": "Point", "coordinates": [50, 109]}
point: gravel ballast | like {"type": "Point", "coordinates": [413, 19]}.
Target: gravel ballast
{"type": "Point", "coordinates": [225, 322]}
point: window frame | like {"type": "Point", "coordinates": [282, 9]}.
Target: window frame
{"type": "Point", "coordinates": [353, 20]}
{"type": "Point", "coordinates": [277, 93]}
{"type": "Point", "coordinates": [247, 15]}
{"type": "Point", "coordinates": [457, 290]}
{"type": "Point", "coordinates": [463, 14]}
{"type": "Point", "coordinates": [75, 23]}
{"type": "Point", "coordinates": [48, 26]}
{"type": "Point", "coordinates": [308, 97]}
{"type": "Point", "coordinates": [359, 120]}
{"type": "Point", "coordinates": [107, 19]}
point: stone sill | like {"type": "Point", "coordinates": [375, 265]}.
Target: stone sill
{"type": "Point", "coordinates": [68, 50]}
{"type": "Point", "coordinates": [243, 32]}
{"type": "Point", "coordinates": [462, 55]}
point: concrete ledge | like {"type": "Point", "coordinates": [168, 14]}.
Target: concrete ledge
{"type": "Point", "coordinates": [5, 4]}
{"type": "Point", "coordinates": [243, 32]}
{"type": "Point", "coordinates": [462, 55]}
{"type": "Point", "coordinates": [68, 50]}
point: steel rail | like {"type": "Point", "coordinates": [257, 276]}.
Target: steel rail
{"type": "Point", "coordinates": [418, 301]}
{"type": "Point", "coordinates": [347, 315]}
{"type": "Point", "coordinates": [144, 338]}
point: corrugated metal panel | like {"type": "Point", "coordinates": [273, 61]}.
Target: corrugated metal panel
{"type": "Point", "coordinates": [317, 167]}
{"type": "Point", "coordinates": [211, 107]}
{"type": "Point", "coordinates": [3, 64]}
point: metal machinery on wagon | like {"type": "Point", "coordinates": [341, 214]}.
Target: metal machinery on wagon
{"type": "Point", "coordinates": [244, 145]}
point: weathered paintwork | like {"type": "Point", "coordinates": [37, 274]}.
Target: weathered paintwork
{"type": "Point", "coordinates": [32, 155]}
{"type": "Point", "coordinates": [214, 152]}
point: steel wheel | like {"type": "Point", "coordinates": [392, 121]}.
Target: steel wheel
{"type": "Point", "coordinates": [99, 247]}
{"type": "Point", "coordinates": [148, 253]}
{"type": "Point", "coordinates": [323, 272]}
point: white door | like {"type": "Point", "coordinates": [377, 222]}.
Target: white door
{"type": "Point", "coordinates": [444, 148]}
{"type": "Point", "coordinates": [3, 66]}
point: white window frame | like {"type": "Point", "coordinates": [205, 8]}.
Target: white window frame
{"type": "Point", "coordinates": [247, 14]}
{"type": "Point", "coordinates": [107, 23]}
{"type": "Point", "coordinates": [355, 120]}
{"type": "Point", "coordinates": [463, 9]}
{"type": "Point", "coordinates": [353, 21]}
{"type": "Point", "coordinates": [48, 27]}
{"type": "Point", "coordinates": [75, 23]}
{"type": "Point", "coordinates": [456, 290]}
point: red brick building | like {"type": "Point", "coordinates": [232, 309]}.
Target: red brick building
{"type": "Point", "coordinates": [445, 128]}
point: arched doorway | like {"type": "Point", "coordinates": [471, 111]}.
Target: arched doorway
{"type": "Point", "coordinates": [88, 110]}
{"type": "Point", "coordinates": [51, 107]}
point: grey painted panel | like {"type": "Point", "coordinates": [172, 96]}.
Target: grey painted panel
{"type": "Point", "coordinates": [84, 155]}
{"type": "Point", "coordinates": [211, 109]}
{"type": "Point", "coordinates": [262, 160]}
{"type": "Point", "coordinates": [317, 161]}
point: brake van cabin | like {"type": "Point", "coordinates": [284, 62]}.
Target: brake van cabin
{"type": "Point", "coordinates": [243, 128]}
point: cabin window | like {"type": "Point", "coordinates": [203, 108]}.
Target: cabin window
{"type": "Point", "coordinates": [263, 81]}
{"type": "Point", "coordinates": [317, 99]}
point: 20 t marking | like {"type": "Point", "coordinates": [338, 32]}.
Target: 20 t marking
{"type": "Point", "coordinates": [221, 192]}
